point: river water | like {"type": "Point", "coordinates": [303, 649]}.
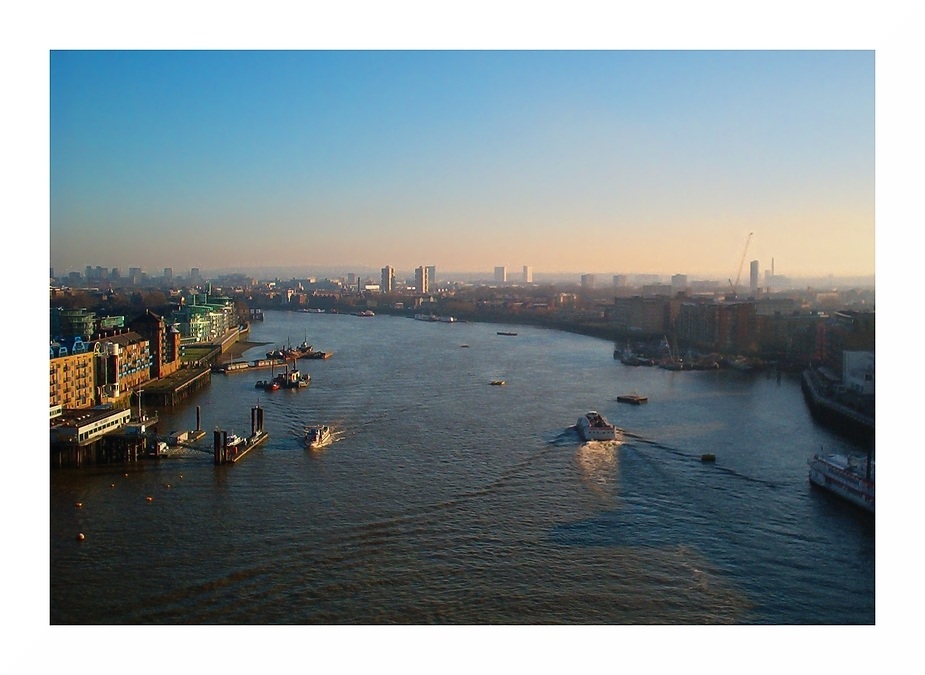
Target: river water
{"type": "Point", "coordinates": [445, 500]}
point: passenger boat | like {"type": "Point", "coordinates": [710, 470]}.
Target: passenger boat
{"type": "Point", "coordinates": [851, 478]}
{"type": "Point", "coordinates": [594, 427]}
{"type": "Point", "coordinates": [317, 436]}
{"type": "Point", "coordinates": [498, 383]}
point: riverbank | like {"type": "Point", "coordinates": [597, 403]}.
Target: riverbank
{"type": "Point", "coordinates": [236, 350]}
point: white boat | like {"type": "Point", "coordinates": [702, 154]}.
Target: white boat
{"type": "Point", "coordinates": [594, 427]}
{"type": "Point", "coordinates": [847, 477]}
{"type": "Point", "coordinates": [317, 436]}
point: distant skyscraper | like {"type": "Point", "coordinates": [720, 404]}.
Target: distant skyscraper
{"type": "Point", "coordinates": [753, 269]}
{"type": "Point", "coordinates": [501, 274]}
{"type": "Point", "coordinates": [421, 282]}
{"type": "Point", "coordinates": [168, 274]}
{"type": "Point", "coordinates": [619, 280]}
{"type": "Point", "coordinates": [387, 281]}
{"type": "Point", "coordinates": [587, 281]}
{"type": "Point", "coordinates": [195, 277]}
{"type": "Point", "coordinates": [678, 282]}
{"type": "Point", "coordinates": [431, 277]}
{"type": "Point", "coordinates": [528, 274]}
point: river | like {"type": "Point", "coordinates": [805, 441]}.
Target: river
{"type": "Point", "coordinates": [445, 500]}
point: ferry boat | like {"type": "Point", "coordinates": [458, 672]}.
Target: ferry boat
{"type": "Point", "coordinates": [317, 436]}
{"type": "Point", "coordinates": [851, 478]}
{"type": "Point", "coordinates": [594, 427]}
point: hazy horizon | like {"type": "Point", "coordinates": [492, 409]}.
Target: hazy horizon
{"type": "Point", "coordinates": [577, 162]}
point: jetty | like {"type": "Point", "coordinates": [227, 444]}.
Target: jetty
{"type": "Point", "coordinates": [229, 448]}
{"type": "Point", "coordinates": [176, 387]}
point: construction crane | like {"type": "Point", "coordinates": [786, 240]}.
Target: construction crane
{"type": "Point", "coordinates": [735, 286]}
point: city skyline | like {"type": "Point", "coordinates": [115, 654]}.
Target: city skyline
{"type": "Point", "coordinates": [572, 162]}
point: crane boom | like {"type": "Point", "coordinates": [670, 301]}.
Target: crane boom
{"type": "Point", "coordinates": [735, 286]}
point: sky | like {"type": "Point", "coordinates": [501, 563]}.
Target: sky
{"type": "Point", "coordinates": [569, 161]}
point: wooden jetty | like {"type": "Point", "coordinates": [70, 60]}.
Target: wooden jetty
{"type": "Point", "coordinates": [177, 387]}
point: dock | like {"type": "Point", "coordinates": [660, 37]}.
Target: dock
{"type": "Point", "coordinates": [177, 387]}
{"type": "Point", "coordinates": [229, 449]}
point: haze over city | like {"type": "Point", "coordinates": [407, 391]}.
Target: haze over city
{"type": "Point", "coordinates": [567, 161]}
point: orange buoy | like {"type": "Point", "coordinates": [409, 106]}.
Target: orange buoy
{"type": "Point", "coordinates": [80, 536]}
{"type": "Point", "coordinates": [78, 504]}
{"type": "Point", "coordinates": [150, 499]}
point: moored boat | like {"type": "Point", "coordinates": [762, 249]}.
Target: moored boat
{"type": "Point", "coordinates": [594, 427]}
{"type": "Point", "coordinates": [634, 399]}
{"type": "Point", "coordinates": [851, 478]}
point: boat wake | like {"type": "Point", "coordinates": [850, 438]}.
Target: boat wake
{"type": "Point", "coordinates": [598, 462]}
{"type": "Point", "coordinates": [639, 441]}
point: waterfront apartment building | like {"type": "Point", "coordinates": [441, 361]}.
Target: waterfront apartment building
{"type": "Point", "coordinates": [201, 319]}
{"type": "Point", "coordinates": [72, 381]}
{"type": "Point", "coordinates": [421, 280]}
{"type": "Point", "coordinates": [124, 362]}
{"type": "Point", "coordinates": [71, 323]}
{"type": "Point", "coordinates": [387, 281]}
{"type": "Point", "coordinates": [501, 274]}
{"type": "Point", "coordinates": [164, 341]}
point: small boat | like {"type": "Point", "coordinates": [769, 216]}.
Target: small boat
{"type": "Point", "coordinates": [317, 436]}
{"type": "Point", "coordinates": [498, 383]}
{"type": "Point", "coordinates": [464, 346]}
{"type": "Point", "coordinates": [634, 399]}
{"type": "Point", "coordinates": [503, 332]}
{"type": "Point", "coordinates": [594, 427]}
{"type": "Point", "coordinates": [707, 457]}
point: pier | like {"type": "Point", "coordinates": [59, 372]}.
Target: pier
{"type": "Point", "coordinates": [229, 449]}
{"type": "Point", "coordinates": [177, 387]}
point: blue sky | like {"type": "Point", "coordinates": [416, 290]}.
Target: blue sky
{"type": "Point", "coordinates": [568, 161]}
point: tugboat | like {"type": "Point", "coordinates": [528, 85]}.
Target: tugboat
{"type": "Point", "coordinates": [292, 379]}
